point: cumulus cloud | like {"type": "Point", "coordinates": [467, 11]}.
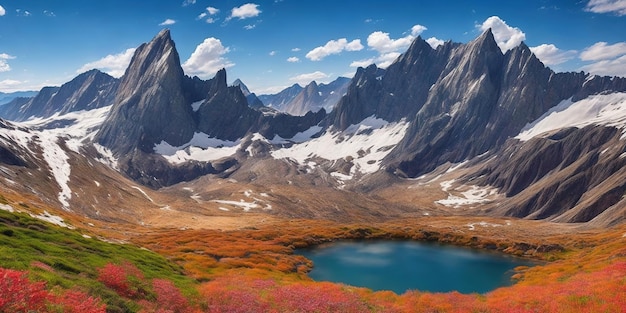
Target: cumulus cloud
{"type": "Point", "coordinates": [305, 79]}
{"type": "Point", "coordinates": [549, 54]}
{"type": "Point", "coordinates": [10, 85]}
{"type": "Point", "coordinates": [245, 11]}
{"type": "Point", "coordinates": [296, 49]}
{"type": "Point", "coordinates": [212, 10]}
{"type": "Point", "coordinates": [49, 13]}
{"type": "Point", "coordinates": [293, 59]}
{"type": "Point", "coordinates": [607, 6]}
{"type": "Point", "coordinates": [4, 65]}
{"type": "Point", "coordinates": [434, 42]}
{"type": "Point", "coordinates": [390, 49]}
{"type": "Point", "coordinates": [207, 59]}
{"type": "Point", "coordinates": [249, 26]}
{"type": "Point", "coordinates": [601, 51]}
{"type": "Point", "coordinates": [188, 2]}
{"type": "Point", "coordinates": [2, 11]}
{"type": "Point", "coordinates": [608, 59]}
{"type": "Point", "coordinates": [381, 42]}
{"type": "Point", "coordinates": [112, 64]}
{"type": "Point", "coordinates": [334, 47]}
{"type": "Point", "coordinates": [168, 21]}
{"type": "Point", "coordinates": [506, 36]}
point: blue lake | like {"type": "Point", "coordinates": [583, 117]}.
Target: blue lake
{"type": "Point", "coordinates": [402, 265]}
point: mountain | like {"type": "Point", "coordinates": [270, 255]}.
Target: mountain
{"type": "Point", "coordinates": [6, 97]}
{"type": "Point", "coordinates": [253, 100]}
{"type": "Point", "coordinates": [463, 128]}
{"type": "Point", "coordinates": [296, 100]}
{"type": "Point", "coordinates": [280, 100]}
{"type": "Point", "coordinates": [90, 90]}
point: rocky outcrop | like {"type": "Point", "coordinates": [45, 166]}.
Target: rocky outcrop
{"type": "Point", "coordinates": [296, 100]}
{"type": "Point", "coordinates": [281, 100]}
{"type": "Point", "coordinates": [253, 100]}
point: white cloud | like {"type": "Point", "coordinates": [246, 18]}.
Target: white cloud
{"type": "Point", "coordinates": [49, 13]}
{"type": "Point", "coordinates": [296, 49]}
{"type": "Point", "coordinates": [249, 26]}
{"type": "Point", "coordinates": [188, 2]}
{"type": "Point", "coordinates": [305, 79]}
{"type": "Point", "coordinates": [549, 54]}
{"type": "Point", "coordinates": [506, 36]}
{"type": "Point", "coordinates": [608, 59]}
{"type": "Point", "coordinates": [602, 51]}
{"type": "Point", "coordinates": [607, 6]}
{"type": "Point", "coordinates": [202, 15]}
{"type": "Point", "coordinates": [247, 10]}
{"type": "Point", "coordinates": [293, 59]}
{"type": "Point", "coordinates": [334, 47]}
{"type": "Point", "coordinates": [112, 64]}
{"type": "Point", "coordinates": [4, 65]}
{"type": "Point", "coordinates": [363, 63]}
{"type": "Point", "coordinates": [390, 49]}
{"type": "Point", "coordinates": [434, 42]}
{"type": "Point", "coordinates": [382, 43]}
{"type": "Point", "coordinates": [615, 67]}
{"type": "Point", "coordinates": [272, 53]}
{"type": "Point", "coordinates": [9, 85]}
{"type": "Point", "coordinates": [211, 20]}
{"type": "Point", "coordinates": [2, 11]}
{"type": "Point", "coordinates": [416, 30]}
{"type": "Point", "coordinates": [207, 59]}
{"type": "Point", "coordinates": [212, 10]}
{"type": "Point", "coordinates": [168, 21]}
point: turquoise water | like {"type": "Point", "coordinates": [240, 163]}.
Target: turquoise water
{"type": "Point", "coordinates": [402, 265]}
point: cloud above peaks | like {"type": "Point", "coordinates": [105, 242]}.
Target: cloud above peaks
{"type": "Point", "coordinates": [168, 21]}
{"type": "Point", "coordinates": [207, 59]}
{"type": "Point", "coordinates": [4, 65]}
{"type": "Point", "coordinates": [245, 11]}
{"type": "Point", "coordinates": [549, 54]}
{"type": "Point", "coordinates": [334, 47]}
{"type": "Point", "coordinates": [305, 79]}
{"type": "Point", "coordinates": [506, 36]}
{"type": "Point", "coordinates": [607, 6]}
{"type": "Point", "coordinates": [112, 64]}
{"type": "Point", "coordinates": [607, 59]}
{"type": "Point", "coordinates": [2, 11]}
{"type": "Point", "coordinates": [293, 59]}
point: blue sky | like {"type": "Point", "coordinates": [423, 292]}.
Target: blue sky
{"type": "Point", "coordinates": [273, 44]}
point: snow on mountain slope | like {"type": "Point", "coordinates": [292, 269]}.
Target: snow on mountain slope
{"type": "Point", "coordinates": [366, 143]}
{"type": "Point", "coordinates": [200, 148]}
{"type": "Point", "coordinates": [51, 135]}
{"type": "Point", "coordinates": [603, 109]}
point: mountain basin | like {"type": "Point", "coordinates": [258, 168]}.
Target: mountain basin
{"type": "Point", "coordinates": [409, 265]}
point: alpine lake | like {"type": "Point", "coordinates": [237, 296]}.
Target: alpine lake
{"type": "Point", "coordinates": [400, 266]}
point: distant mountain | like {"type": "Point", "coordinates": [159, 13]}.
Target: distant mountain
{"type": "Point", "coordinates": [281, 100]}
{"type": "Point", "coordinates": [6, 97]}
{"type": "Point", "coordinates": [253, 100]}
{"type": "Point", "coordinates": [296, 100]}
{"type": "Point", "coordinates": [87, 91]}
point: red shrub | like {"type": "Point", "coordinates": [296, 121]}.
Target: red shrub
{"type": "Point", "coordinates": [18, 294]}
{"type": "Point", "coordinates": [125, 279]}
{"type": "Point", "coordinates": [74, 301]}
{"type": "Point", "coordinates": [169, 297]}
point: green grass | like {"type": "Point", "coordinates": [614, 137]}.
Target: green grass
{"type": "Point", "coordinates": [75, 260]}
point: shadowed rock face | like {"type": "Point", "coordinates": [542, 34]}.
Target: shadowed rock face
{"type": "Point", "coordinates": [150, 104]}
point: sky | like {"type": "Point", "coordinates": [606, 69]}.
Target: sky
{"type": "Point", "coordinates": [273, 44]}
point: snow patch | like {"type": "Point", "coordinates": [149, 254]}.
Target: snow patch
{"type": "Point", "coordinates": [57, 160]}
{"type": "Point", "coordinates": [297, 138]}
{"type": "Point", "coordinates": [606, 110]}
{"type": "Point", "coordinates": [6, 207]}
{"type": "Point", "coordinates": [366, 143]}
{"type": "Point", "coordinates": [472, 226]}
{"type": "Point", "coordinates": [143, 193]}
{"type": "Point", "coordinates": [246, 206]}
{"type": "Point", "coordinates": [53, 219]}
{"type": "Point", "coordinates": [475, 195]}
{"type": "Point", "coordinates": [200, 148]}
{"type": "Point", "coordinates": [196, 105]}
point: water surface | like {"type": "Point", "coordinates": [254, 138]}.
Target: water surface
{"type": "Point", "coordinates": [403, 265]}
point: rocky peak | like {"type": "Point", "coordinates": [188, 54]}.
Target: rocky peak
{"type": "Point", "coordinates": [151, 104]}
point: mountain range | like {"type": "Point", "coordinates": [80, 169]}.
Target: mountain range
{"type": "Point", "coordinates": [463, 129]}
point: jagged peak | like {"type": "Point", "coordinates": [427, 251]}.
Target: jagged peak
{"type": "Point", "coordinates": [486, 41]}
